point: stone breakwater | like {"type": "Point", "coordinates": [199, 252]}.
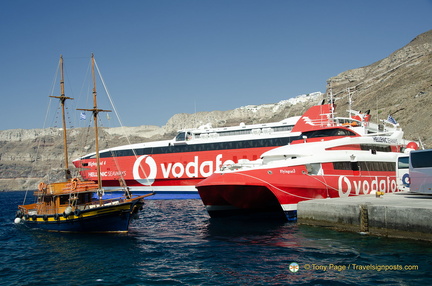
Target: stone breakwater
{"type": "Point", "coordinates": [401, 215]}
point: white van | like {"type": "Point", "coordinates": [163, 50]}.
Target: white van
{"type": "Point", "coordinates": [402, 173]}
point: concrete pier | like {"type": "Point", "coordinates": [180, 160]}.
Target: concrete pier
{"type": "Point", "coordinates": [401, 215]}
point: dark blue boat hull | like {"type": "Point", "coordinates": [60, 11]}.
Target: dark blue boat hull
{"type": "Point", "coordinates": [101, 219]}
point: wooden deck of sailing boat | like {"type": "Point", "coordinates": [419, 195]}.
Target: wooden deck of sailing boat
{"type": "Point", "coordinates": [74, 205]}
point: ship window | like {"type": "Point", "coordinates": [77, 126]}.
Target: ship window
{"type": "Point", "coordinates": [267, 142]}
{"type": "Point", "coordinates": [249, 131]}
{"type": "Point", "coordinates": [403, 163]}
{"type": "Point", "coordinates": [328, 133]}
{"type": "Point", "coordinates": [283, 128]}
{"type": "Point", "coordinates": [378, 148]}
{"type": "Point", "coordinates": [365, 166]}
{"type": "Point", "coordinates": [181, 136]}
{"type": "Point", "coordinates": [342, 165]}
{"type": "Point", "coordinates": [235, 132]}
{"type": "Point", "coordinates": [64, 200]}
{"type": "Point", "coordinates": [313, 168]}
{"type": "Point", "coordinates": [104, 155]}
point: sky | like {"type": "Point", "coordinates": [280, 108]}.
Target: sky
{"type": "Point", "coordinates": [162, 57]}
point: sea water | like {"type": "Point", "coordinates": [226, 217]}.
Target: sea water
{"type": "Point", "coordinates": [174, 242]}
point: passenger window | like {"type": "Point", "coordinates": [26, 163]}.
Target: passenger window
{"type": "Point", "coordinates": [181, 136]}
{"type": "Point", "coordinates": [403, 163]}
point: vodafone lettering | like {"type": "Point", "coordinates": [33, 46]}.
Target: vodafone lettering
{"type": "Point", "coordinates": [145, 169]}
{"type": "Point", "coordinates": [347, 186]}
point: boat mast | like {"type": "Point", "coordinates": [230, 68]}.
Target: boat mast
{"type": "Point", "coordinates": [63, 98]}
{"type": "Point", "coordinates": [95, 112]}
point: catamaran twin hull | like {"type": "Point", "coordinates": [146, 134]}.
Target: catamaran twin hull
{"type": "Point", "coordinates": [276, 191]}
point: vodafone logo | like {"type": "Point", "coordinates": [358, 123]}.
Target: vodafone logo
{"type": "Point", "coordinates": [146, 170]}
{"type": "Point", "coordinates": [344, 182]}
{"type": "Point", "coordinates": [146, 166]}
{"type": "Point", "coordinates": [366, 186]}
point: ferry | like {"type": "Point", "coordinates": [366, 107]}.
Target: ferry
{"type": "Point", "coordinates": [172, 168]}
{"type": "Point", "coordinates": [325, 163]}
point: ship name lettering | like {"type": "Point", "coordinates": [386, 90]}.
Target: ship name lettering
{"type": "Point", "coordinates": [384, 140]}
{"type": "Point", "coordinates": [94, 164]}
{"type": "Point", "coordinates": [288, 171]}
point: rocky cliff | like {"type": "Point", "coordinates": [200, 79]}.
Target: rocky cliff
{"type": "Point", "coordinates": [400, 85]}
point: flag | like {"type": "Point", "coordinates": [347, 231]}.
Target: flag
{"type": "Point", "coordinates": [391, 120]}
{"type": "Point", "coordinates": [82, 116]}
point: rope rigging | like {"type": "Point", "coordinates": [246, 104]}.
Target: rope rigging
{"type": "Point", "coordinates": [81, 136]}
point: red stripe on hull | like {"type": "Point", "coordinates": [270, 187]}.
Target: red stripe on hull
{"type": "Point", "coordinates": [178, 169]}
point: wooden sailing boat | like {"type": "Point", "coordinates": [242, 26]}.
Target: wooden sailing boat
{"type": "Point", "coordinates": [75, 205]}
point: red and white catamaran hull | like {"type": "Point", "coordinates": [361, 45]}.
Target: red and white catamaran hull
{"type": "Point", "coordinates": [320, 169]}
{"type": "Point", "coordinates": [277, 191]}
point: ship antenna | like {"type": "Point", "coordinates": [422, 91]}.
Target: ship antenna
{"type": "Point", "coordinates": [349, 102]}
{"type": "Point", "coordinates": [63, 98]}
{"type": "Point", "coordinates": [331, 100]}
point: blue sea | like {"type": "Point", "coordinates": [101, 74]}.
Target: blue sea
{"type": "Point", "coordinates": [174, 242]}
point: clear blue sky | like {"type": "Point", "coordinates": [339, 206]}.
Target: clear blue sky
{"type": "Point", "coordinates": [163, 57]}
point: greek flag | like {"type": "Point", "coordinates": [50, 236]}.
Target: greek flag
{"type": "Point", "coordinates": [391, 120]}
{"type": "Point", "coordinates": [83, 116]}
